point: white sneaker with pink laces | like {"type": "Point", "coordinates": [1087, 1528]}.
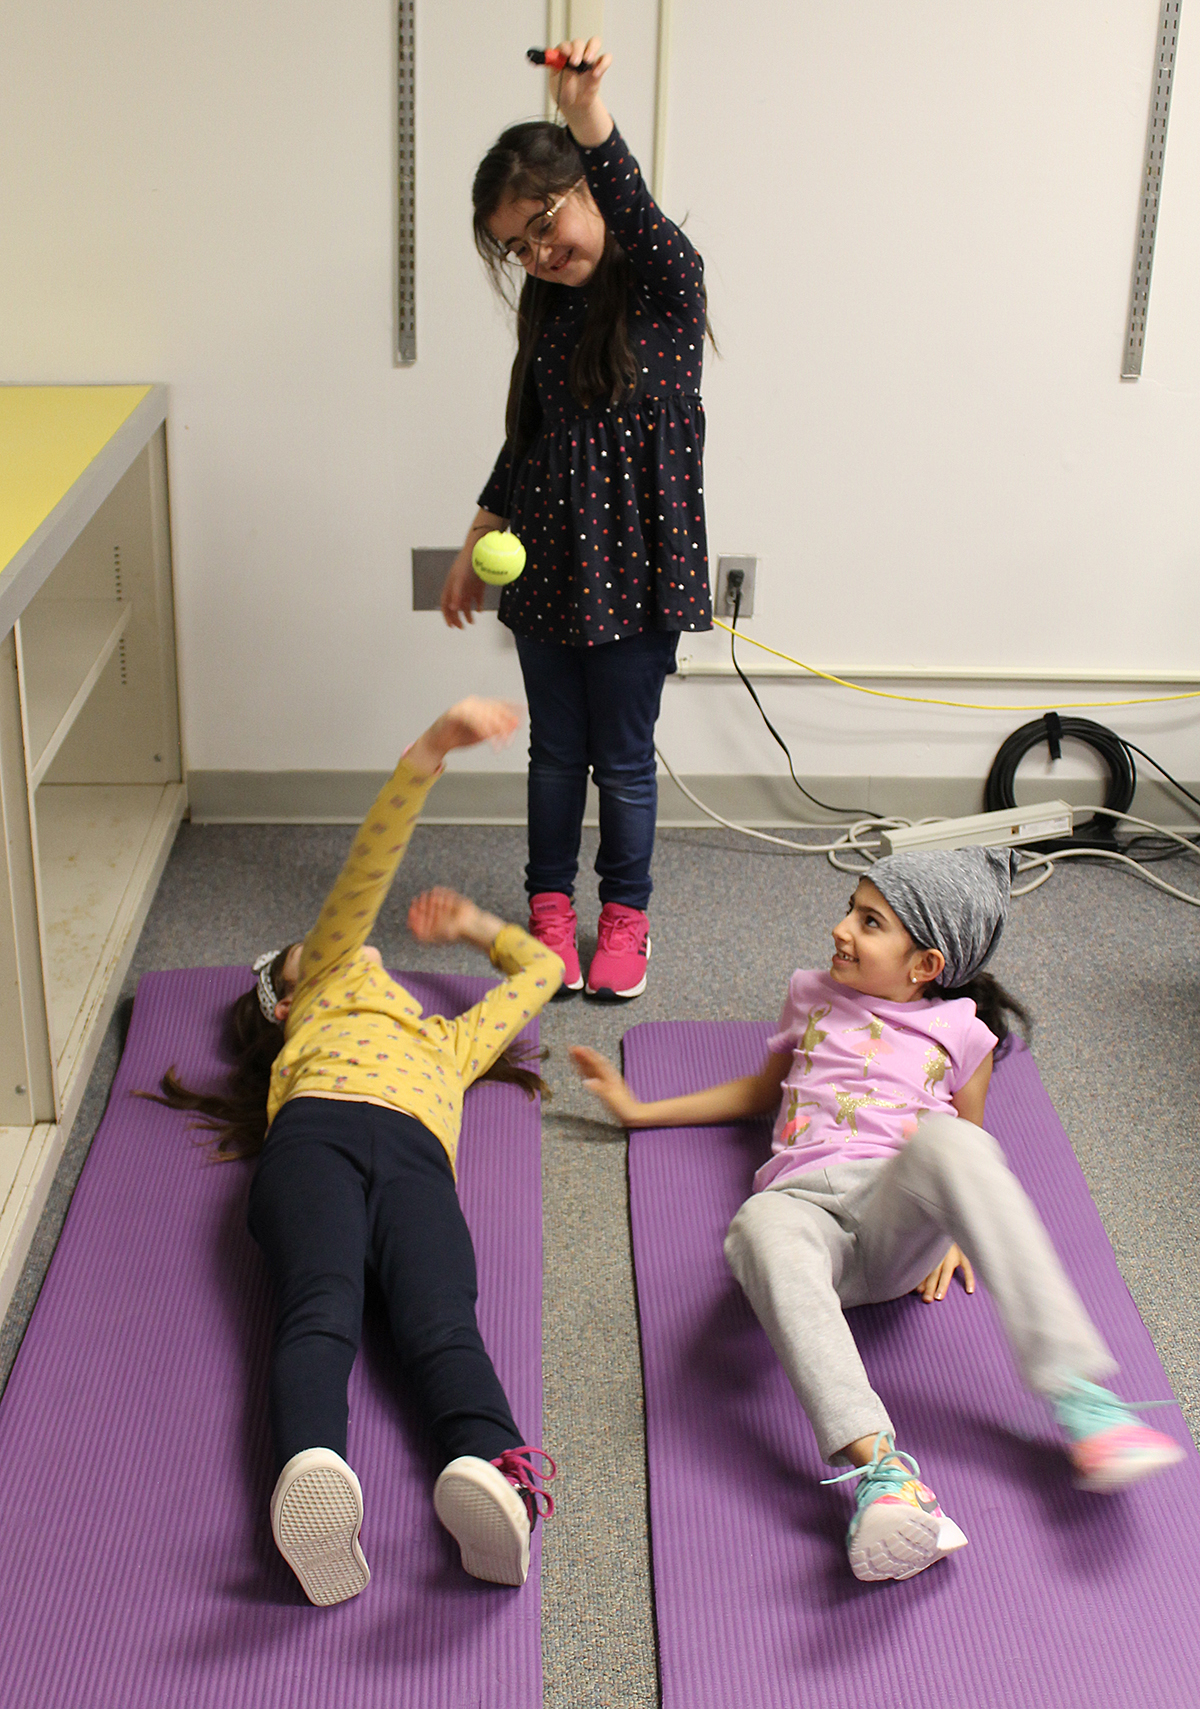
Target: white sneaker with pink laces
{"type": "Point", "coordinates": [618, 969]}
{"type": "Point", "coordinates": [490, 1507]}
{"type": "Point", "coordinates": [316, 1514]}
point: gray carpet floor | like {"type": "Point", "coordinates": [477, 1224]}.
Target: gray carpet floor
{"type": "Point", "coordinates": [1108, 967]}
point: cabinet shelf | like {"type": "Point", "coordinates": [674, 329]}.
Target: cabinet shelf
{"type": "Point", "coordinates": [63, 646]}
{"type": "Point", "coordinates": [93, 841]}
{"type": "Point", "coordinates": [91, 775]}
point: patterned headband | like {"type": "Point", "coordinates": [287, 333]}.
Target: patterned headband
{"type": "Point", "coordinates": [267, 999]}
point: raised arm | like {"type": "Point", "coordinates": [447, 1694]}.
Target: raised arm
{"type": "Point", "coordinates": [350, 909]}
{"type": "Point", "coordinates": [578, 92]}
{"type": "Point", "coordinates": [733, 1100]}
{"type": "Point", "coordinates": [666, 265]}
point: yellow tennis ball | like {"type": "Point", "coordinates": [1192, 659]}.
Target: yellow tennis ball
{"type": "Point", "coordinates": [498, 558]}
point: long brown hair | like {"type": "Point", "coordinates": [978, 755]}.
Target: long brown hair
{"type": "Point", "coordinates": [238, 1115]}
{"type": "Point", "coordinates": [538, 161]}
{"type": "Point", "coordinates": [993, 1004]}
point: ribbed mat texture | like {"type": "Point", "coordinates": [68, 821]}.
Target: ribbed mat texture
{"type": "Point", "coordinates": [137, 1569]}
{"type": "Point", "coordinates": [1062, 1601]}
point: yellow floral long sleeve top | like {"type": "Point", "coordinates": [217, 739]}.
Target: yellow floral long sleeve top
{"type": "Point", "coordinates": [354, 1031]}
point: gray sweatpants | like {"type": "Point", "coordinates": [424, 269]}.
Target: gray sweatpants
{"type": "Point", "coordinates": [859, 1233]}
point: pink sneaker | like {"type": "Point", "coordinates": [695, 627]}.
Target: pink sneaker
{"type": "Point", "coordinates": [552, 922]}
{"type": "Point", "coordinates": [618, 967]}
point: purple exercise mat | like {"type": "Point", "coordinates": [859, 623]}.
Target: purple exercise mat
{"type": "Point", "coordinates": [1062, 1599]}
{"type": "Point", "coordinates": [137, 1569]}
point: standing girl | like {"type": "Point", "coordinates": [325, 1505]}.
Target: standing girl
{"type": "Point", "coordinates": [600, 477]}
{"type": "Point", "coordinates": [879, 1073]}
{"type": "Point", "coordinates": [354, 1100]}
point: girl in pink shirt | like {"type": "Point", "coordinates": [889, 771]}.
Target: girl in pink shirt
{"type": "Point", "coordinates": [879, 1072]}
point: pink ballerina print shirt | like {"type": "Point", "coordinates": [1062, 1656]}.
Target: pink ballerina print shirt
{"type": "Point", "coordinates": [863, 1069]}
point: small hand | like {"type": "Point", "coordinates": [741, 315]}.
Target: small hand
{"type": "Point", "coordinates": [475, 720]}
{"type": "Point", "coordinates": [462, 590]}
{"type": "Point", "coordinates": [439, 916]}
{"type": "Point", "coordinates": [936, 1283]}
{"type": "Point", "coordinates": [442, 916]}
{"type": "Point", "coordinates": [467, 723]}
{"type": "Point", "coordinates": [605, 1082]}
{"type": "Point", "coordinates": [578, 92]}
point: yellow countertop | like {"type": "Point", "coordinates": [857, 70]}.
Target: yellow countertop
{"type": "Point", "coordinates": [48, 437]}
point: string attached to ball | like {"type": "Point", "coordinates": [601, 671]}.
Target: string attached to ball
{"type": "Point", "coordinates": [498, 557]}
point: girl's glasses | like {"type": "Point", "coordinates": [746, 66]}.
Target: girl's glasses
{"type": "Point", "coordinates": [522, 251]}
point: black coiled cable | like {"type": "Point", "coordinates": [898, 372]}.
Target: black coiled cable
{"type": "Point", "coordinates": [1051, 729]}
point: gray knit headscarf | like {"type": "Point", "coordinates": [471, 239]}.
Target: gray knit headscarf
{"type": "Point", "coordinates": [955, 900]}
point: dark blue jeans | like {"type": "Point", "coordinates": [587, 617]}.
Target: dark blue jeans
{"type": "Point", "coordinates": [594, 708]}
{"type": "Point", "coordinates": [341, 1186]}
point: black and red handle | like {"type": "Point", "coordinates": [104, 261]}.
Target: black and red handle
{"type": "Point", "coordinates": [554, 58]}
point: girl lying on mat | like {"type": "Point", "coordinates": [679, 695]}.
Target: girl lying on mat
{"type": "Point", "coordinates": [879, 1071]}
{"type": "Point", "coordinates": [354, 1100]}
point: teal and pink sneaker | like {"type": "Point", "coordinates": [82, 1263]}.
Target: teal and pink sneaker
{"type": "Point", "coordinates": [1110, 1446]}
{"type": "Point", "coordinates": [898, 1528]}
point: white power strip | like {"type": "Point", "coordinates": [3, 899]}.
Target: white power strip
{"type": "Point", "coordinates": [1009, 826]}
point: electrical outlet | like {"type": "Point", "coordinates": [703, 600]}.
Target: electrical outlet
{"type": "Point", "coordinates": [723, 605]}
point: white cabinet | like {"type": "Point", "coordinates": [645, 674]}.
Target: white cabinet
{"type": "Point", "coordinates": [91, 778]}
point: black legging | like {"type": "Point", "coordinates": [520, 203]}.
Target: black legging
{"type": "Point", "coordinates": [342, 1185]}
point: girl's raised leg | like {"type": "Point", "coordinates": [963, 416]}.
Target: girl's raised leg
{"type": "Point", "coordinates": [952, 1177]}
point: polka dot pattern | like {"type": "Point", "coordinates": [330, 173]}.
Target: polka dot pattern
{"type": "Point", "coordinates": [609, 503]}
{"type": "Point", "coordinates": [354, 1030]}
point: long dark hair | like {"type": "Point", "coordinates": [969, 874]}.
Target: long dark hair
{"type": "Point", "coordinates": [993, 1004]}
{"type": "Point", "coordinates": [537, 161]}
{"type": "Point", "coordinates": [238, 1115]}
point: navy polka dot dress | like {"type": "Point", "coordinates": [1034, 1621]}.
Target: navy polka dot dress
{"type": "Point", "coordinates": [609, 502]}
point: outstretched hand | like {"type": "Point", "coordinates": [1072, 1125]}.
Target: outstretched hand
{"type": "Point", "coordinates": [938, 1281]}
{"type": "Point", "coordinates": [466, 723]}
{"type": "Point", "coordinates": [438, 916]}
{"type": "Point", "coordinates": [442, 916]}
{"type": "Point", "coordinates": [604, 1081]}
{"type": "Point", "coordinates": [578, 92]}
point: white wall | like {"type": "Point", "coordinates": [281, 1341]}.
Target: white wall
{"type": "Point", "coordinates": [918, 223]}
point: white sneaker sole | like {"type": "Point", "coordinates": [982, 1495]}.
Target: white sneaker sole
{"type": "Point", "coordinates": [605, 992]}
{"type": "Point", "coordinates": [316, 1515]}
{"type": "Point", "coordinates": [487, 1519]}
{"type": "Point", "coordinates": [885, 1547]}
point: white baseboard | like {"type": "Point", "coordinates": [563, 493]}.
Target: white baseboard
{"type": "Point", "coordinates": [498, 798]}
